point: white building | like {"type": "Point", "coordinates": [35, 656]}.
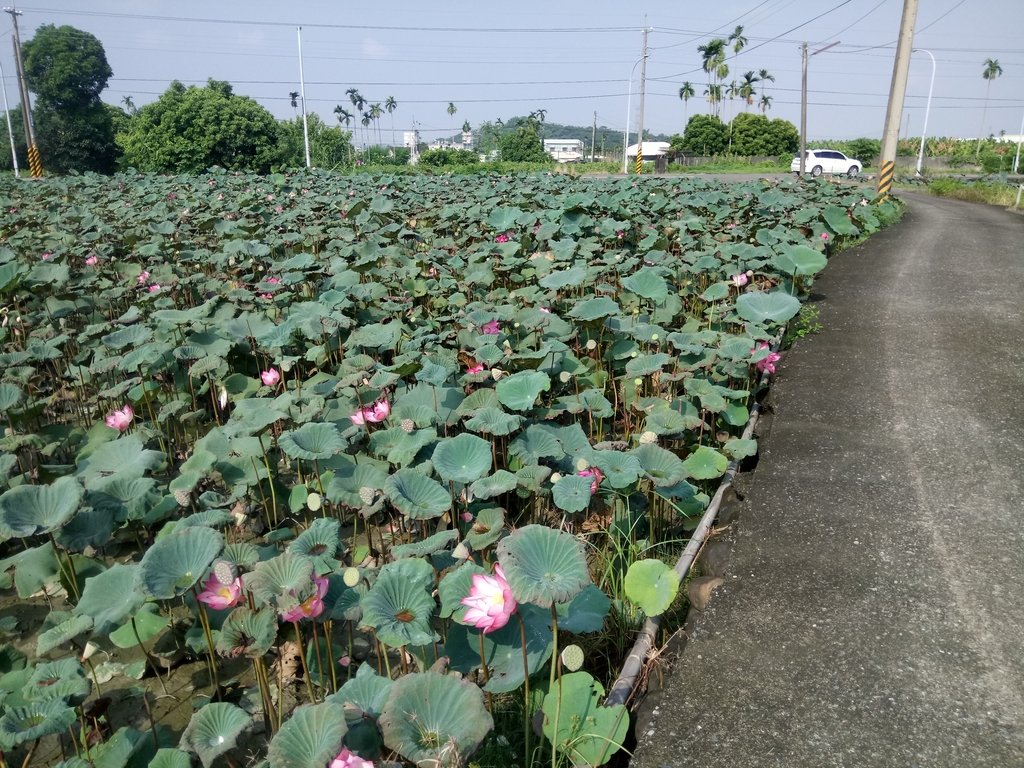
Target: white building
{"type": "Point", "coordinates": [565, 150]}
{"type": "Point", "coordinates": [652, 150]}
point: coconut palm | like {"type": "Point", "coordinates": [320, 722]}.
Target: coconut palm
{"type": "Point", "coordinates": [737, 39]}
{"type": "Point", "coordinates": [765, 103]}
{"type": "Point", "coordinates": [991, 72]}
{"type": "Point", "coordinates": [746, 88]}
{"type": "Point", "coordinates": [376, 112]}
{"type": "Point", "coordinates": [686, 92]}
{"type": "Point", "coordinates": [713, 62]}
{"type": "Point", "coordinates": [391, 105]}
{"type": "Point", "coordinates": [452, 109]}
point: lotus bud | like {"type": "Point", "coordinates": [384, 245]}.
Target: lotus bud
{"type": "Point", "coordinates": [88, 651]}
{"type": "Point", "coordinates": [649, 438]}
{"type": "Point", "coordinates": [555, 477]}
{"type": "Point", "coordinates": [461, 551]}
{"type": "Point", "coordinates": [565, 377]}
{"type": "Point", "coordinates": [222, 397]}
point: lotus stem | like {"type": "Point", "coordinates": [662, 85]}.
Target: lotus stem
{"type": "Point", "coordinates": [302, 658]}
{"type": "Point", "coordinates": [270, 482]}
{"type": "Point", "coordinates": [152, 723]}
{"type": "Point", "coordinates": [211, 660]}
{"type": "Point", "coordinates": [28, 758]}
{"type": "Point", "coordinates": [555, 669]}
{"type": "Point", "coordinates": [68, 564]}
{"type": "Point", "coordinates": [328, 627]}
{"type": "Point", "coordinates": [483, 667]}
{"type": "Point", "coordinates": [319, 656]}
{"type": "Point", "coordinates": [268, 719]}
{"type": "Point", "coordinates": [526, 688]}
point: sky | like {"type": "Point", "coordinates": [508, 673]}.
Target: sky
{"type": "Point", "coordinates": [573, 59]}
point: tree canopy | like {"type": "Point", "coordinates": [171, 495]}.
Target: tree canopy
{"type": "Point", "coordinates": [330, 147]}
{"type": "Point", "coordinates": [705, 135]}
{"type": "Point", "coordinates": [188, 130]}
{"type": "Point", "coordinates": [754, 134]}
{"type": "Point", "coordinates": [524, 145]}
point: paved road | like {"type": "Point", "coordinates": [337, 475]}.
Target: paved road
{"type": "Point", "coordinates": [873, 610]}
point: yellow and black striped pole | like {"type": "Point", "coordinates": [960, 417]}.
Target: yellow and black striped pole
{"type": "Point", "coordinates": [35, 165]}
{"type": "Point", "coordinates": [885, 178]}
{"type": "Point", "coordinates": [639, 160]}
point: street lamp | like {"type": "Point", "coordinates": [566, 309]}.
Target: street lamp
{"type": "Point", "coordinates": [927, 110]}
{"type": "Point", "coordinates": [629, 96]}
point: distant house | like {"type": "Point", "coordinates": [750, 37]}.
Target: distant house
{"type": "Point", "coordinates": [652, 150]}
{"type": "Point", "coordinates": [565, 150]}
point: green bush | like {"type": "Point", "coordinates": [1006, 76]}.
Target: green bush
{"type": "Point", "coordinates": [443, 158]}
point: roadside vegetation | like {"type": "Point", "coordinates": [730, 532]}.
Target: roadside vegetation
{"type": "Point", "coordinates": [989, 192]}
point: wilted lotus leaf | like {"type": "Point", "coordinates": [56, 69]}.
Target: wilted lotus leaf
{"type": "Point", "coordinates": [26, 510]}
{"type": "Point", "coordinates": [312, 441]}
{"type": "Point", "coordinates": [247, 633]}
{"type": "Point", "coordinates": [287, 573]}
{"type": "Point", "coordinates": [364, 694]}
{"type": "Point", "coordinates": [761, 307]}
{"type": "Point", "coordinates": [488, 487]}
{"type": "Point", "coordinates": [62, 680]}
{"type": "Point", "coordinates": [652, 585]}
{"type": "Point", "coordinates": [705, 463]}
{"type": "Point", "coordinates": [214, 729]}
{"type": "Point", "coordinates": [399, 605]}
{"type": "Point", "coordinates": [520, 390]}
{"type": "Point", "coordinates": [543, 565]}
{"type": "Point", "coordinates": [319, 542]}
{"type": "Point", "coordinates": [462, 459]}
{"type": "Point", "coordinates": [487, 527]}
{"type": "Point", "coordinates": [578, 726]}
{"type": "Point", "coordinates": [436, 718]}
{"type": "Point", "coordinates": [661, 465]}
{"type": "Point", "coordinates": [178, 560]}
{"type": "Point", "coordinates": [33, 721]}
{"type": "Point", "coordinates": [310, 738]}
{"type": "Point", "coordinates": [416, 495]}
{"type": "Point", "coordinates": [62, 633]}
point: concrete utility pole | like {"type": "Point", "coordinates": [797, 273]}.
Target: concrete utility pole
{"type": "Point", "coordinates": [302, 95]}
{"type": "Point", "coordinates": [643, 87]}
{"type": "Point", "coordinates": [897, 91]}
{"type": "Point", "coordinates": [593, 137]}
{"type": "Point", "coordinates": [10, 130]}
{"type": "Point", "coordinates": [803, 100]}
{"type": "Point", "coordinates": [34, 163]}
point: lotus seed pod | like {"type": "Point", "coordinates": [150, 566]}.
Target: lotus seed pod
{"type": "Point", "coordinates": [350, 577]}
{"type": "Point", "coordinates": [497, 373]}
{"type": "Point", "coordinates": [367, 495]}
{"type": "Point", "coordinates": [225, 572]}
{"type": "Point", "coordinates": [582, 464]}
{"type": "Point", "coordinates": [634, 353]}
{"type": "Point", "coordinates": [591, 345]}
{"type": "Point", "coordinates": [555, 477]}
{"type": "Point", "coordinates": [313, 502]}
{"type": "Point", "coordinates": [654, 337]}
{"type": "Point", "coordinates": [572, 657]}
{"type": "Point", "coordinates": [408, 425]}
{"type": "Point", "coordinates": [565, 377]}
{"type": "Point", "coordinates": [648, 438]}
{"type": "Point", "coordinates": [182, 497]}
{"type": "Point", "coordinates": [637, 381]}
{"type": "Point", "coordinates": [461, 551]}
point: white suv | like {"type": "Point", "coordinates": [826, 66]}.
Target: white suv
{"type": "Point", "coordinates": [819, 161]}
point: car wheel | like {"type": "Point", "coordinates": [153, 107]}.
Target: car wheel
{"type": "Point", "coordinates": [816, 170]}
{"type": "Point", "coordinates": [854, 170]}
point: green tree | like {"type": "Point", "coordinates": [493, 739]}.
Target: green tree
{"type": "Point", "coordinates": [452, 109]}
{"type": "Point", "coordinates": [188, 130]}
{"type": "Point", "coordinates": [441, 158]}
{"type": "Point", "coordinates": [390, 105]}
{"type": "Point", "coordinates": [765, 103]}
{"type": "Point", "coordinates": [754, 134]}
{"type": "Point", "coordinates": [686, 93]}
{"type": "Point", "coordinates": [67, 70]}
{"type": "Point", "coordinates": [991, 72]}
{"type": "Point", "coordinates": [705, 135]}
{"type": "Point", "coordinates": [713, 62]}
{"type": "Point", "coordinates": [524, 145]}
{"type": "Point", "coordinates": [329, 146]}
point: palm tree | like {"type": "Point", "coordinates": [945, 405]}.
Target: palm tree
{"type": "Point", "coordinates": [686, 92]}
{"type": "Point", "coordinates": [765, 103]}
{"type": "Point", "coordinates": [452, 109]}
{"type": "Point", "coordinates": [746, 89]}
{"type": "Point", "coordinates": [294, 96]}
{"type": "Point", "coordinates": [991, 72]}
{"type": "Point", "coordinates": [391, 105]}
{"type": "Point", "coordinates": [375, 114]}
{"type": "Point", "coordinates": [714, 94]}
{"type": "Point", "coordinates": [737, 39]}
{"type": "Point", "coordinates": [765, 76]}
{"type": "Point", "coordinates": [129, 105]}
{"type": "Point", "coordinates": [540, 114]}
{"type": "Point", "coordinates": [713, 62]}
{"type": "Point", "coordinates": [366, 120]}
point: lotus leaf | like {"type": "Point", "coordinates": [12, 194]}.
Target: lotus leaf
{"type": "Point", "coordinates": [110, 597]}
{"type": "Point", "coordinates": [800, 260]}
{"type": "Point", "coordinates": [214, 729]}
{"type": "Point", "coordinates": [652, 585]}
{"type": "Point", "coordinates": [571, 493]}
{"type": "Point", "coordinates": [35, 568]}
{"type": "Point", "coordinates": [462, 459]}
{"type": "Point", "coordinates": [761, 307]}
{"type": "Point", "coordinates": [577, 724]}
{"type": "Point", "coordinates": [586, 612]}
{"type": "Point", "coordinates": [487, 527]}
{"type": "Point", "coordinates": [10, 396]}
{"type": "Point", "coordinates": [535, 444]}
{"type": "Point", "coordinates": [170, 758]}
{"type": "Point", "coordinates": [647, 283]}
{"type": "Point", "coordinates": [661, 465]}
{"type": "Point", "coordinates": [62, 680]}
{"type": "Point", "coordinates": [454, 586]}
{"type": "Point", "coordinates": [310, 738]}
{"type": "Point", "coordinates": [247, 632]}
{"type": "Point", "coordinates": [33, 721]}
{"type": "Point", "coordinates": [428, 546]}
{"type": "Point", "coordinates": [27, 510]}
{"type": "Point", "coordinates": [839, 221]}
{"type": "Point", "coordinates": [436, 718]}
{"type": "Point", "coordinates": [320, 543]}
{"type": "Point", "coordinates": [543, 565]}
{"type": "Point", "coordinates": [363, 694]}
{"type": "Point", "coordinates": [705, 463]}
{"type": "Point", "coordinates": [620, 470]}
{"type": "Point", "coordinates": [288, 573]}
{"type": "Point", "coordinates": [493, 420]}
{"type": "Point", "coordinates": [417, 496]}
{"type": "Point", "coordinates": [493, 485]}
{"type": "Point", "coordinates": [62, 633]}
{"type": "Point", "coordinates": [312, 441]}
{"type": "Point", "coordinates": [645, 365]}
{"type": "Point", "coordinates": [399, 606]}
{"type": "Point", "coordinates": [740, 449]}
{"type": "Point", "coordinates": [178, 560]}
{"type": "Point", "coordinates": [521, 390]}
{"type": "Point", "coordinates": [595, 308]}
{"type": "Point", "coordinates": [125, 457]}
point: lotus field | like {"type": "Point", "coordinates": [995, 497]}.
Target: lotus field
{"type": "Point", "coordinates": [353, 469]}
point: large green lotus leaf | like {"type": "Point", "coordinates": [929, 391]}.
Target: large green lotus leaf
{"type": "Point", "coordinates": [27, 510]}
{"type": "Point", "coordinates": [214, 729]}
{"type": "Point", "coordinates": [399, 447]}
{"type": "Point", "coordinates": [178, 560]}
{"type": "Point", "coordinates": [520, 390]}
{"type": "Point", "coordinates": [503, 649]}
{"type": "Point", "coordinates": [571, 493]}
{"type": "Point", "coordinates": [399, 606]}
{"type": "Point", "coordinates": [666, 421]}
{"type": "Point", "coordinates": [645, 365]}
{"type": "Point", "coordinates": [800, 260]}
{"type": "Point", "coordinates": [839, 220]}
{"type": "Point", "coordinates": [761, 307]}
{"type": "Point", "coordinates": [493, 485]}
{"type": "Point", "coordinates": [426, 404]}
{"type": "Point", "coordinates": [661, 465]}
{"type": "Point", "coordinates": [439, 542]}
{"type": "Point", "coordinates": [313, 440]}
{"type": "Point", "coordinates": [652, 585]}
{"type": "Point", "coordinates": [705, 464]}
{"type": "Point", "coordinates": [170, 758]}
{"type": "Point", "coordinates": [543, 565]}
{"type": "Point", "coordinates": [10, 395]}
{"type": "Point", "coordinates": [128, 747]}
{"type": "Point", "coordinates": [143, 625]}
{"type": "Point", "coordinates": [366, 692]}
{"type": "Point", "coordinates": [62, 633]}
{"type": "Point", "coordinates": [111, 597]}
{"type": "Point", "coordinates": [454, 586]}
{"type": "Point", "coordinates": [247, 632]}
{"type": "Point", "coordinates": [35, 569]}
{"type": "Point", "coordinates": [493, 421]}
{"type": "Point", "coordinates": [376, 335]}
{"type": "Point", "coordinates": [33, 721]}
{"type": "Point", "coordinates": [578, 726]}
{"type": "Point", "coordinates": [487, 527]}
{"type": "Point", "coordinates": [586, 612]}
{"type": "Point", "coordinates": [436, 719]}
{"type": "Point", "coordinates": [620, 469]}
{"type": "Point", "coordinates": [594, 308]}
{"type": "Point", "coordinates": [252, 414]}
{"type": "Point", "coordinates": [286, 573]}
{"type": "Point", "coordinates": [132, 336]}
{"type": "Point", "coordinates": [310, 738]}
{"type": "Point", "coordinates": [91, 527]}
{"type": "Point", "coordinates": [320, 543]}
{"type": "Point", "coordinates": [416, 495]}
{"type": "Point", "coordinates": [349, 479]}
{"type": "Point", "coordinates": [462, 459]}
{"type": "Point", "coordinates": [647, 283]}
{"type": "Point", "coordinates": [563, 279]}
{"type": "Point", "coordinates": [740, 449]}
{"type": "Point", "coordinates": [125, 457]}
{"type": "Point", "coordinates": [502, 219]}
{"type": "Point", "coordinates": [534, 444]}
{"type": "Point", "coordinates": [62, 680]}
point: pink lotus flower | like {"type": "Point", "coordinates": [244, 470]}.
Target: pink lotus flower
{"type": "Point", "coordinates": [270, 378]}
{"type": "Point", "coordinates": [312, 606]}
{"type": "Point", "coordinates": [545, 310]}
{"type": "Point", "coordinates": [46, 256]}
{"type": "Point", "coordinates": [490, 328]}
{"type": "Point", "coordinates": [221, 596]}
{"type": "Point", "coordinates": [475, 368]}
{"type": "Point", "coordinates": [143, 276]}
{"type": "Point", "coordinates": [466, 517]}
{"type": "Point", "coordinates": [596, 475]}
{"type": "Point", "coordinates": [266, 296]}
{"type": "Point", "coordinates": [374, 414]}
{"type": "Point", "coordinates": [121, 418]}
{"type": "Point", "coordinates": [768, 363]}
{"type": "Point", "coordinates": [502, 238]}
{"type": "Point", "coordinates": [489, 603]}
{"type": "Point", "coordinates": [344, 661]}
{"type": "Point", "coordinates": [740, 279]}
{"type": "Point", "coordinates": [154, 288]}
{"type": "Point", "coordinates": [824, 236]}
{"type": "Point", "coordinates": [620, 234]}
{"type": "Point", "coordinates": [346, 759]}
{"type": "Point", "coordinates": [92, 260]}
{"type": "Point", "coordinates": [273, 280]}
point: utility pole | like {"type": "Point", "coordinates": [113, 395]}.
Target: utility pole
{"type": "Point", "coordinates": [593, 137]}
{"type": "Point", "coordinates": [34, 163]}
{"type": "Point", "coordinates": [803, 109]}
{"type": "Point", "coordinates": [897, 91]}
{"type": "Point", "coordinates": [643, 86]}
{"type": "Point", "coordinates": [302, 94]}
{"type": "Point", "coordinates": [10, 130]}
